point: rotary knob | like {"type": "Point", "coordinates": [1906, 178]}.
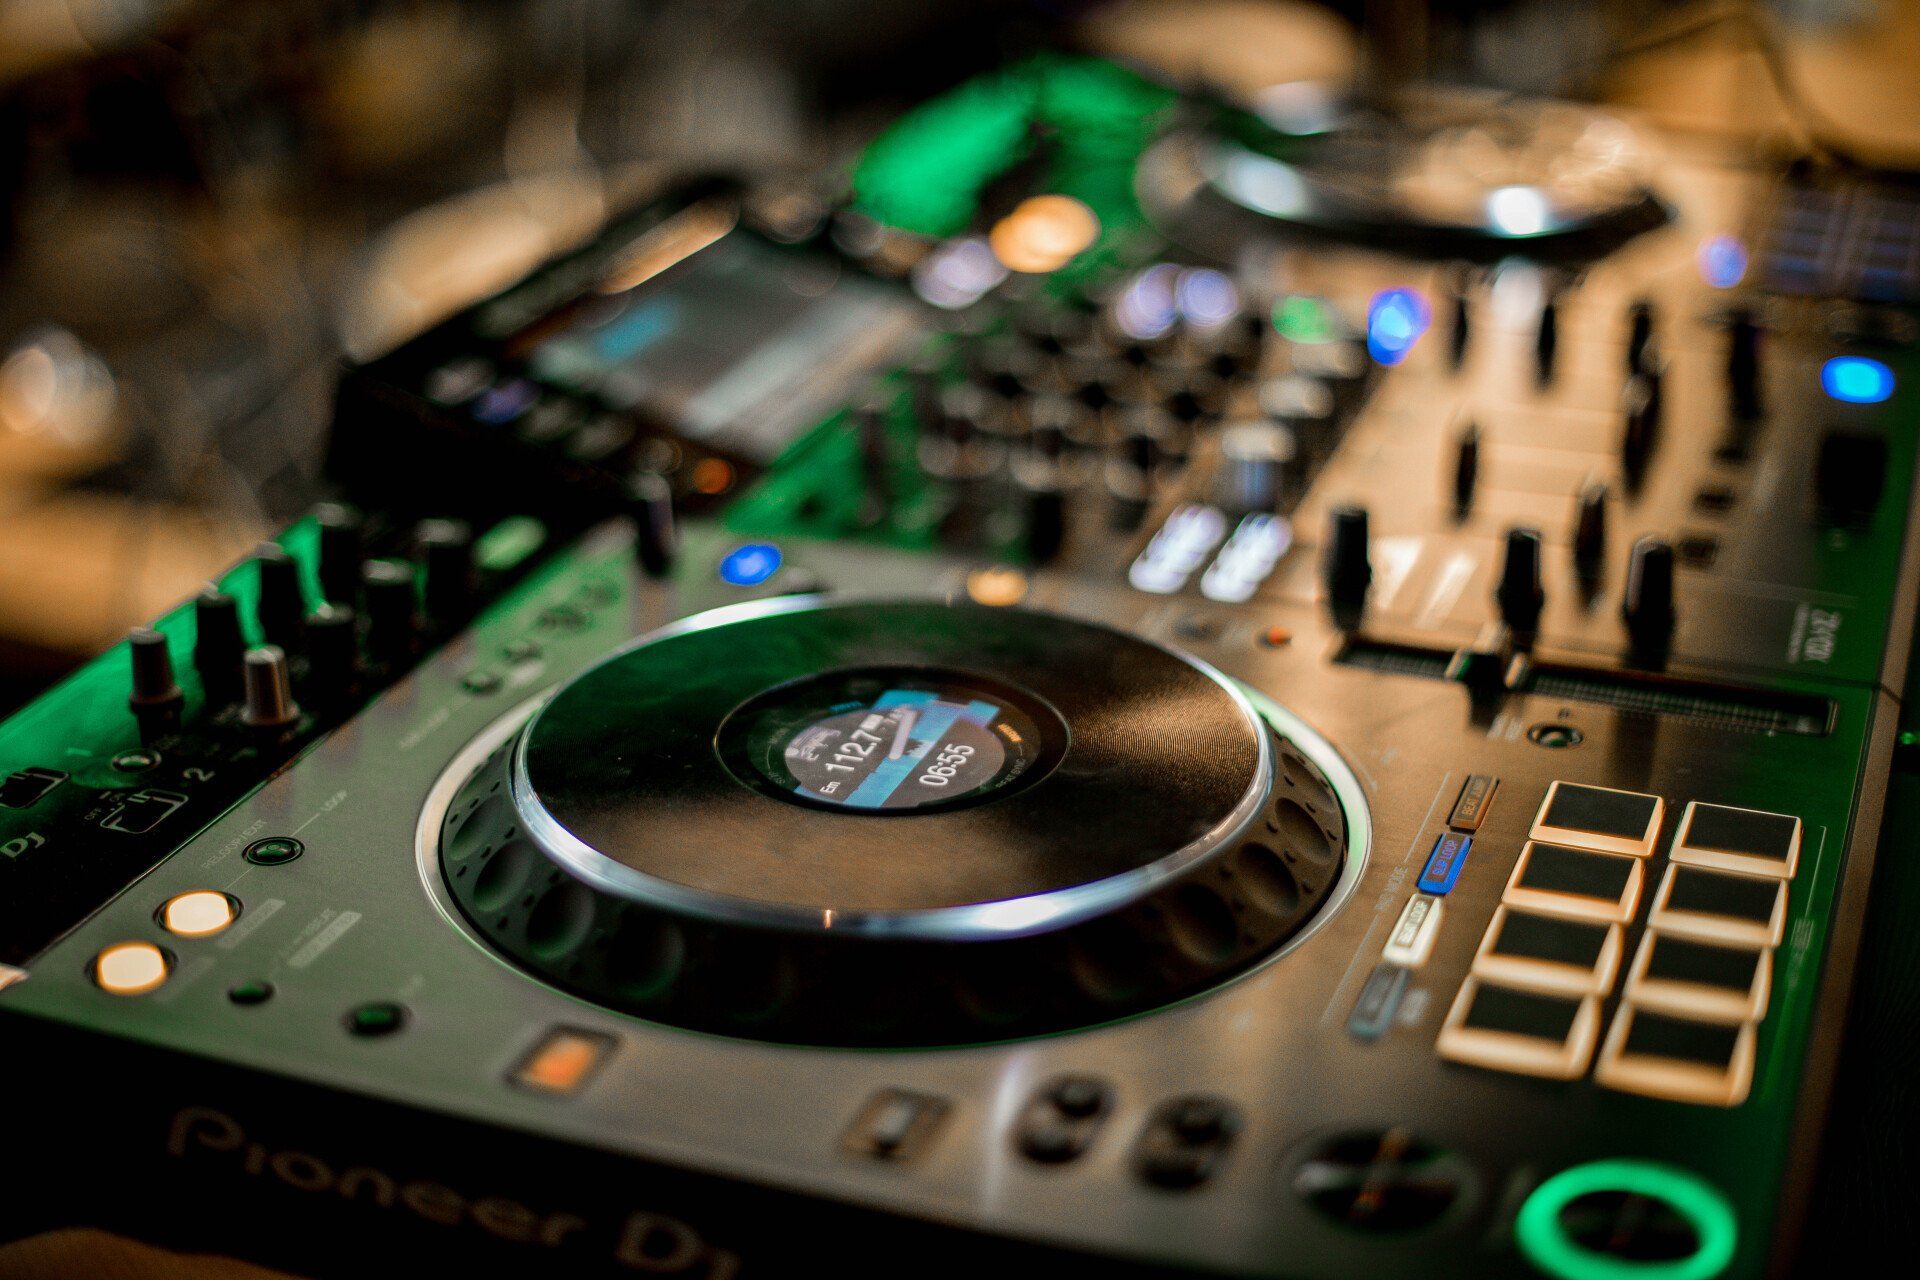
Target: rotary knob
{"type": "Point", "coordinates": [1519, 593]}
{"type": "Point", "coordinates": [218, 644]}
{"type": "Point", "coordinates": [1647, 606]}
{"type": "Point", "coordinates": [282, 609]}
{"type": "Point", "coordinates": [156, 698]}
{"type": "Point", "coordinates": [1639, 335]}
{"type": "Point", "coordinates": [342, 538]}
{"type": "Point", "coordinates": [650, 507]}
{"type": "Point", "coordinates": [1466, 469]}
{"type": "Point", "coordinates": [1590, 532]}
{"type": "Point", "coordinates": [1743, 366]}
{"type": "Point", "coordinates": [1345, 569]}
{"type": "Point", "coordinates": [1546, 340]}
{"type": "Point", "coordinates": [269, 690]}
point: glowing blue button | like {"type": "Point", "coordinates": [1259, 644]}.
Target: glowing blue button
{"type": "Point", "coordinates": [1723, 261]}
{"type": "Point", "coordinates": [1856, 380]}
{"type": "Point", "coordinates": [1395, 320]}
{"type": "Point", "coordinates": [1444, 864]}
{"type": "Point", "coordinates": [750, 565]}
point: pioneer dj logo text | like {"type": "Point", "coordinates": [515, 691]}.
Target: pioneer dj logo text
{"type": "Point", "coordinates": [643, 1242]}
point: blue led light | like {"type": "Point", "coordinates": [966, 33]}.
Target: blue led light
{"type": "Point", "coordinates": [1723, 261]}
{"type": "Point", "coordinates": [1856, 380]}
{"type": "Point", "coordinates": [1395, 320]}
{"type": "Point", "coordinates": [750, 565]}
{"type": "Point", "coordinates": [1444, 864]}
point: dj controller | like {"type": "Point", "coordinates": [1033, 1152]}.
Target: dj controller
{"type": "Point", "coordinates": [1038, 712]}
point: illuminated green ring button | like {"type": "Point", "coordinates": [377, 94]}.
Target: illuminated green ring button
{"type": "Point", "coordinates": [1547, 1245]}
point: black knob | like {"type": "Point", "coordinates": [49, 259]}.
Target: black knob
{"type": "Point", "coordinates": [1201, 395]}
{"type": "Point", "coordinates": [1466, 468]}
{"type": "Point", "coordinates": [1095, 382]}
{"type": "Point", "coordinates": [1460, 334]}
{"type": "Point", "coordinates": [156, 694]}
{"type": "Point", "coordinates": [217, 645]}
{"type": "Point", "coordinates": [1148, 438]}
{"type": "Point", "coordinates": [282, 610]}
{"type": "Point", "coordinates": [655, 536]}
{"type": "Point", "coordinates": [1639, 334]}
{"type": "Point", "coordinates": [1849, 476]}
{"type": "Point", "coordinates": [1054, 422]}
{"type": "Point", "coordinates": [386, 589]}
{"type": "Point", "coordinates": [1519, 593]}
{"type": "Point", "coordinates": [1743, 366]}
{"type": "Point", "coordinates": [333, 654]}
{"type": "Point", "coordinates": [269, 689]}
{"type": "Point", "coordinates": [1647, 605]}
{"type": "Point", "coordinates": [876, 461]}
{"type": "Point", "coordinates": [1228, 350]}
{"type": "Point", "coordinates": [1590, 531]}
{"type": "Point", "coordinates": [1641, 410]}
{"type": "Point", "coordinates": [955, 450]}
{"type": "Point", "coordinates": [1044, 514]}
{"type": "Point", "coordinates": [446, 553]}
{"type": "Point", "coordinates": [1006, 367]}
{"type": "Point", "coordinates": [1346, 569]}
{"type": "Point", "coordinates": [925, 376]}
{"type": "Point", "coordinates": [1546, 340]}
{"type": "Point", "coordinates": [963, 414]}
{"type": "Point", "coordinates": [342, 537]}
{"type": "Point", "coordinates": [1255, 461]}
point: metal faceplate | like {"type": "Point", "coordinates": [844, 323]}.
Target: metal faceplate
{"type": "Point", "coordinates": [362, 917]}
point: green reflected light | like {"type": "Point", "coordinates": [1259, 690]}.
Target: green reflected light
{"type": "Point", "coordinates": [1299, 318]}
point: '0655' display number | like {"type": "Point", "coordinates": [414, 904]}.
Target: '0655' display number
{"type": "Point", "coordinates": [945, 764]}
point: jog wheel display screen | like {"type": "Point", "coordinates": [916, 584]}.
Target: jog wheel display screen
{"type": "Point", "coordinates": [891, 741]}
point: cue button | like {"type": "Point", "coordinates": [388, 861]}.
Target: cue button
{"type": "Point", "coordinates": [1713, 906]}
{"type": "Point", "coordinates": [1689, 978]}
{"type": "Point", "coordinates": [131, 968]}
{"type": "Point", "coordinates": [1599, 818]}
{"type": "Point", "coordinates": [1678, 1059]}
{"type": "Point", "coordinates": [1749, 841]}
{"type": "Point", "coordinates": [1526, 1032]}
{"type": "Point", "coordinates": [1578, 883]}
{"type": "Point", "coordinates": [198, 913]}
{"type": "Point", "coordinates": [1549, 953]}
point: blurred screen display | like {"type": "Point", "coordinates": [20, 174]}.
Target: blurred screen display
{"type": "Point", "coordinates": [740, 345]}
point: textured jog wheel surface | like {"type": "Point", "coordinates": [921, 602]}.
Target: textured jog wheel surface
{"type": "Point", "coordinates": [895, 824]}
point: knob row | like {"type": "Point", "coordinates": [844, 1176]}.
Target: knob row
{"type": "Point", "coordinates": [1647, 603]}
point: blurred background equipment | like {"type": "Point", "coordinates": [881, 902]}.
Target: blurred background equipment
{"type": "Point", "coordinates": [206, 204]}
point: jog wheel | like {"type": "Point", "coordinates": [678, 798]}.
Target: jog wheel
{"type": "Point", "coordinates": [894, 824]}
{"type": "Point", "coordinates": [1444, 175]}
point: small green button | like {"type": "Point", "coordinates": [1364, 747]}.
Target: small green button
{"type": "Point", "coordinates": [274, 851]}
{"type": "Point", "coordinates": [381, 1018]}
{"type": "Point", "coordinates": [249, 993]}
{"type": "Point", "coordinates": [138, 760]}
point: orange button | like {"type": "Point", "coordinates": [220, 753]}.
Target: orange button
{"type": "Point", "coordinates": [998, 586]}
{"type": "Point", "coordinates": [562, 1061]}
{"type": "Point", "coordinates": [131, 968]}
{"type": "Point", "coordinates": [199, 913]}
